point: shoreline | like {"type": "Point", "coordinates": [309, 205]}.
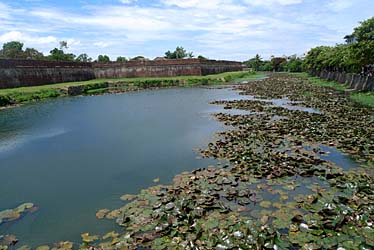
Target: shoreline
{"type": "Point", "coordinates": [18, 97]}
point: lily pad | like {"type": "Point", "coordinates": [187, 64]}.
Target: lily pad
{"type": "Point", "coordinates": [87, 238]}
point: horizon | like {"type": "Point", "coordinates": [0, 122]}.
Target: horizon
{"type": "Point", "coordinates": [217, 29]}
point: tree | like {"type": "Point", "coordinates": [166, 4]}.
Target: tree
{"type": "Point", "coordinates": [363, 48]}
{"type": "Point", "coordinates": [103, 58]}
{"type": "Point", "coordinates": [293, 64]}
{"type": "Point", "coordinates": [59, 55]}
{"type": "Point", "coordinates": [139, 58]}
{"type": "Point", "coordinates": [63, 45]}
{"type": "Point", "coordinates": [202, 57]}
{"type": "Point", "coordinates": [255, 62]}
{"type": "Point", "coordinates": [354, 56]}
{"type": "Point", "coordinates": [33, 54]}
{"type": "Point", "coordinates": [12, 50]}
{"type": "Point", "coordinates": [83, 58]}
{"type": "Point", "coordinates": [179, 53]}
{"type": "Point", "coordinates": [277, 63]}
{"type": "Point", "coordinates": [266, 66]}
{"type": "Point", "coordinates": [121, 59]}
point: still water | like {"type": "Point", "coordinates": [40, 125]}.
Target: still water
{"type": "Point", "coordinates": [74, 156]}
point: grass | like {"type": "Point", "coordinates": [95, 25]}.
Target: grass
{"type": "Point", "coordinates": [363, 98]}
{"type": "Point", "coordinates": [99, 86]}
{"type": "Point", "coordinates": [128, 80]}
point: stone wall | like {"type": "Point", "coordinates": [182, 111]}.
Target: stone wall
{"type": "Point", "coordinates": [19, 73]}
{"type": "Point", "coordinates": [164, 68]}
{"type": "Point", "coordinates": [355, 81]}
{"type": "Point", "coordinates": [22, 73]}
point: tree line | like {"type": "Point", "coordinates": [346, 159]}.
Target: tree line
{"type": "Point", "coordinates": [356, 55]}
{"type": "Point", "coordinates": [15, 50]}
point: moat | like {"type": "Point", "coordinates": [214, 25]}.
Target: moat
{"type": "Point", "coordinates": [74, 156]}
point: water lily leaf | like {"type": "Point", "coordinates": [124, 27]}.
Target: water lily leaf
{"type": "Point", "coordinates": [44, 247]}
{"type": "Point", "coordinates": [113, 214]}
{"type": "Point", "coordinates": [128, 197]}
{"type": "Point", "coordinates": [24, 247]}
{"type": "Point", "coordinates": [283, 197]}
{"type": "Point", "coordinates": [23, 207]}
{"type": "Point", "coordinates": [110, 235]}
{"type": "Point", "coordinates": [8, 240]}
{"type": "Point", "coordinates": [86, 237]}
{"type": "Point", "coordinates": [102, 213]}
{"type": "Point", "coordinates": [278, 205]}
{"type": "Point", "coordinates": [264, 219]}
{"type": "Point", "coordinates": [9, 215]}
{"type": "Point", "coordinates": [63, 245]}
{"type": "Point", "coordinates": [265, 204]}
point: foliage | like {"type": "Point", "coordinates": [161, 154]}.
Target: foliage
{"type": "Point", "coordinates": [103, 58]}
{"type": "Point", "coordinates": [293, 64]}
{"type": "Point", "coordinates": [121, 59]}
{"type": "Point", "coordinates": [179, 53]}
{"type": "Point", "coordinates": [277, 63]}
{"type": "Point", "coordinates": [290, 64]}
{"type": "Point", "coordinates": [202, 57]}
{"type": "Point", "coordinates": [357, 53]}
{"type": "Point", "coordinates": [83, 58]}
{"type": "Point", "coordinates": [141, 58]}
{"type": "Point", "coordinates": [254, 63]}
{"type": "Point", "coordinates": [59, 55]}
{"type": "Point", "coordinates": [33, 54]}
{"type": "Point", "coordinates": [12, 50]}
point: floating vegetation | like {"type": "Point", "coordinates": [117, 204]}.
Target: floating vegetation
{"type": "Point", "coordinates": [16, 213]}
{"type": "Point", "coordinates": [280, 189]}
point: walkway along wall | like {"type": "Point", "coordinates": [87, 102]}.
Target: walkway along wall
{"type": "Point", "coordinates": [355, 81]}
{"type": "Point", "coordinates": [23, 73]}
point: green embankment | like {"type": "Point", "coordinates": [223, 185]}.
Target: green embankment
{"type": "Point", "coordinates": [100, 86]}
{"type": "Point", "coordinates": [364, 98]}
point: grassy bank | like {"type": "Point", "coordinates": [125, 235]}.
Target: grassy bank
{"type": "Point", "coordinates": [23, 95]}
{"type": "Point", "coordinates": [364, 98]}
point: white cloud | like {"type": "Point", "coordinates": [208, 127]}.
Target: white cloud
{"type": "Point", "coordinates": [101, 44]}
{"type": "Point", "coordinates": [4, 11]}
{"type": "Point", "coordinates": [272, 2]}
{"type": "Point", "coordinates": [206, 4]}
{"type": "Point", "coordinates": [215, 28]}
{"type": "Point", "coordinates": [339, 5]}
{"type": "Point", "coordinates": [26, 38]}
{"type": "Point", "coordinates": [128, 1]}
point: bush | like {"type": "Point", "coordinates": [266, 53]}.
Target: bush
{"type": "Point", "coordinates": [5, 100]}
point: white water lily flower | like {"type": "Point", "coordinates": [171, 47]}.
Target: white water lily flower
{"type": "Point", "coordinates": [238, 234]}
{"type": "Point", "coordinates": [219, 247]}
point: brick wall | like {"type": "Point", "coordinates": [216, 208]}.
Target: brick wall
{"type": "Point", "coordinates": [20, 73]}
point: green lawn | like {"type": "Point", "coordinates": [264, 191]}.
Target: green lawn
{"type": "Point", "coordinates": [98, 86]}
{"type": "Point", "coordinates": [364, 98]}
{"type": "Point", "coordinates": [129, 80]}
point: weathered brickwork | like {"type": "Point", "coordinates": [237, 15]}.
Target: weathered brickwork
{"type": "Point", "coordinates": [20, 73]}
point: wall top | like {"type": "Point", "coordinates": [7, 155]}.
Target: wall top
{"type": "Point", "coordinates": [15, 63]}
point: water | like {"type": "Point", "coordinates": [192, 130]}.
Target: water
{"type": "Point", "coordinates": [74, 156]}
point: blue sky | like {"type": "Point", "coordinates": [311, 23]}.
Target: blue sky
{"type": "Point", "coordinates": [218, 29]}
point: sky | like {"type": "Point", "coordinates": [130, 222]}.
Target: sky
{"type": "Point", "coordinates": [217, 29]}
